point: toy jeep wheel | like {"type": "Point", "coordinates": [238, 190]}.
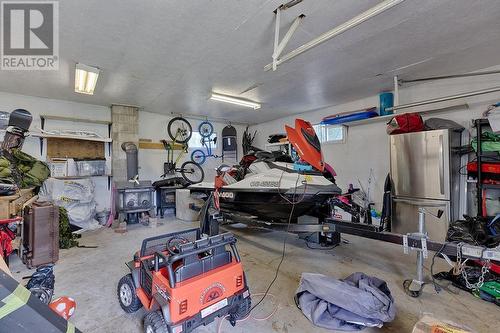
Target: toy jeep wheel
{"type": "Point", "coordinates": [155, 323]}
{"type": "Point", "coordinates": [127, 296]}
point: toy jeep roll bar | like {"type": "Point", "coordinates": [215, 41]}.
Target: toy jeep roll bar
{"type": "Point", "coordinates": [188, 253]}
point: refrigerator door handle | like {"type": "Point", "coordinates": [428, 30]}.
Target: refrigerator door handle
{"type": "Point", "coordinates": [441, 164]}
{"type": "Point", "coordinates": [407, 201]}
{"type": "Point", "coordinates": [420, 202]}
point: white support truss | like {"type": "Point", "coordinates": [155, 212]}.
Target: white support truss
{"type": "Point", "coordinates": [280, 46]}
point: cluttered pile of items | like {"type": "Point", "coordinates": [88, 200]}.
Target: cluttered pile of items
{"type": "Point", "coordinates": [480, 275]}
{"type": "Point", "coordinates": [31, 228]}
{"type": "Point", "coordinates": [36, 210]}
{"type": "Point", "coordinates": [471, 245]}
{"type": "Point", "coordinates": [27, 211]}
{"type": "Point", "coordinates": [21, 177]}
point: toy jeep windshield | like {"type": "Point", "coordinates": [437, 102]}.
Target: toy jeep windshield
{"type": "Point", "coordinates": [184, 282]}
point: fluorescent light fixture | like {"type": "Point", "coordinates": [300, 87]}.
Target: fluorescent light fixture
{"type": "Point", "coordinates": [86, 79]}
{"type": "Point", "coordinates": [234, 100]}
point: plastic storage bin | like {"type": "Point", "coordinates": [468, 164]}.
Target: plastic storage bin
{"type": "Point", "coordinates": [91, 168]}
{"type": "Point", "coordinates": [62, 167]}
{"type": "Point", "coordinates": [4, 119]}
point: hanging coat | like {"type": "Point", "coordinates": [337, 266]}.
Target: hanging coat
{"type": "Point", "coordinates": [352, 304]}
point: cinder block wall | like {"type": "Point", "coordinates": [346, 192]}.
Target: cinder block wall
{"type": "Point", "coordinates": [125, 128]}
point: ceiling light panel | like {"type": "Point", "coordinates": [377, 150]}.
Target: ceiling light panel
{"type": "Point", "coordinates": [86, 79]}
{"type": "Point", "coordinates": [235, 100]}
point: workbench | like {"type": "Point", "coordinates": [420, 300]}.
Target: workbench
{"type": "Point", "coordinates": [11, 205]}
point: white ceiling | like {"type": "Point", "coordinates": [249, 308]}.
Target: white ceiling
{"type": "Point", "coordinates": [167, 56]}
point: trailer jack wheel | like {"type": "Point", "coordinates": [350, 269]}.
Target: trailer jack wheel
{"type": "Point", "coordinates": [413, 288]}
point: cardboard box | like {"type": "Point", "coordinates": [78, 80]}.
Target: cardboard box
{"type": "Point", "coordinates": [62, 167]}
{"type": "Point", "coordinates": [430, 324]}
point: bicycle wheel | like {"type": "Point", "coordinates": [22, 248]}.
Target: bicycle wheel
{"type": "Point", "coordinates": [198, 156]}
{"type": "Point", "coordinates": [205, 129]}
{"type": "Point", "coordinates": [192, 172]}
{"type": "Point", "coordinates": [179, 130]}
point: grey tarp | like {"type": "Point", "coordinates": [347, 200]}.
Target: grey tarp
{"type": "Point", "coordinates": [440, 123]}
{"type": "Point", "coordinates": [351, 304]}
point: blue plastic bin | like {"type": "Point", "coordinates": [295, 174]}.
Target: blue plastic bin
{"type": "Point", "coordinates": [386, 101]}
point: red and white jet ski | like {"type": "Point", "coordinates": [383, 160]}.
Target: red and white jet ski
{"type": "Point", "coordinates": [265, 184]}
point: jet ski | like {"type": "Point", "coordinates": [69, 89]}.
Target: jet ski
{"type": "Point", "coordinates": [265, 185]}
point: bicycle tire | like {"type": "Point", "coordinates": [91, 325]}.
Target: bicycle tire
{"type": "Point", "coordinates": [206, 129]}
{"type": "Point", "coordinates": [196, 167]}
{"type": "Point", "coordinates": [172, 135]}
{"type": "Point", "coordinates": [198, 156]}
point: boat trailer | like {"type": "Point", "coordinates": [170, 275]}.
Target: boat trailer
{"type": "Point", "coordinates": [332, 228]}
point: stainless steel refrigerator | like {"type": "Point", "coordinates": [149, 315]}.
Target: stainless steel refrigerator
{"type": "Point", "coordinates": [425, 173]}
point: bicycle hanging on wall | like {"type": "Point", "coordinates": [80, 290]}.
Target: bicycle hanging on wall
{"type": "Point", "coordinates": [199, 156]}
{"type": "Point", "coordinates": [180, 131]}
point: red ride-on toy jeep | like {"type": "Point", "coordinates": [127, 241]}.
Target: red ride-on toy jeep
{"type": "Point", "coordinates": [184, 282]}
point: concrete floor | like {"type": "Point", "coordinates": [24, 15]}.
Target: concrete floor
{"type": "Point", "coordinates": [91, 275]}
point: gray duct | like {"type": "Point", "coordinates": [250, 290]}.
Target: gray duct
{"type": "Point", "coordinates": [130, 150]}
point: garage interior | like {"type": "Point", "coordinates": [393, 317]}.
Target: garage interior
{"type": "Point", "coordinates": [269, 166]}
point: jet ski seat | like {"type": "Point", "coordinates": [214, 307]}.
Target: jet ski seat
{"type": "Point", "coordinates": [241, 170]}
{"type": "Point", "coordinates": [273, 156]}
{"type": "Point", "coordinates": [265, 156]}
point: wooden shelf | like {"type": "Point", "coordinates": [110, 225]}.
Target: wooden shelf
{"type": "Point", "coordinates": [76, 120]}
{"type": "Point", "coordinates": [149, 144]}
{"type": "Point", "coordinates": [80, 177]}
{"type": "Point", "coordinates": [389, 117]}
{"type": "Point", "coordinates": [75, 137]}
{"type": "Point", "coordinates": [54, 136]}
{"type": "Point", "coordinates": [11, 205]}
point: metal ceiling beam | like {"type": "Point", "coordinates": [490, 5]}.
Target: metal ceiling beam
{"type": "Point", "coordinates": [374, 11]}
{"type": "Point", "coordinates": [396, 90]}
{"type": "Point", "coordinates": [280, 46]}
{"type": "Point", "coordinates": [287, 36]}
{"type": "Point", "coordinates": [445, 98]}
{"type": "Point", "coordinates": [276, 35]}
{"type": "Point", "coordinates": [454, 76]}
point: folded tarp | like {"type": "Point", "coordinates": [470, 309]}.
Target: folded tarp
{"type": "Point", "coordinates": [352, 304]}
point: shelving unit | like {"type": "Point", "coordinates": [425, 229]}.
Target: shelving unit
{"type": "Point", "coordinates": [389, 117]}
{"type": "Point", "coordinates": [44, 118]}
{"type": "Point", "coordinates": [480, 124]}
{"type": "Point", "coordinates": [165, 199]}
{"type": "Point", "coordinates": [280, 145]}
{"type": "Point", "coordinates": [70, 139]}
